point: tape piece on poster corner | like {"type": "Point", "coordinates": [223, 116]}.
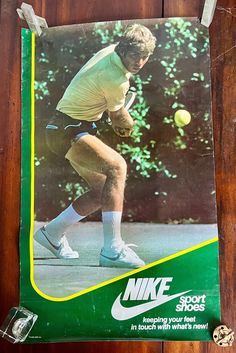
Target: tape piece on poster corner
{"type": "Point", "coordinates": [208, 12]}
{"type": "Point", "coordinates": [26, 12]}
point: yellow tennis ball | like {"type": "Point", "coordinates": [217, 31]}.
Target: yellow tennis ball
{"type": "Point", "coordinates": [182, 117]}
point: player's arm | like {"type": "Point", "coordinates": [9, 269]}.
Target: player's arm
{"type": "Point", "coordinates": [115, 90]}
{"type": "Point", "coordinates": [122, 122]}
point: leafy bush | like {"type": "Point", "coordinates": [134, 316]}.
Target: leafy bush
{"type": "Point", "coordinates": [164, 162]}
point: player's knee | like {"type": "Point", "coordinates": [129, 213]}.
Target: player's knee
{"type": "Point", "coordinates": [118, 168]}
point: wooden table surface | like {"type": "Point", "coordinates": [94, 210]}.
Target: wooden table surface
{"type": "Point", "coordinates": [223, 59]}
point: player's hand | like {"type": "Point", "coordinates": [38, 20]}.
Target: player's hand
{"type": "Point", "coordinates": [122, 132]}
{"type": "Point", "coordinates": [122, 122]}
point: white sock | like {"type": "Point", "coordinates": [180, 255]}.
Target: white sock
{"type": "Point", "coordinates": [58, 225]}
{"type": "Point", "coordinates": [111, 230]}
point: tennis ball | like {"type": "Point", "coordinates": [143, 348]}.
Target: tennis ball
{"type": "Point", "coordinates": [182, 117]}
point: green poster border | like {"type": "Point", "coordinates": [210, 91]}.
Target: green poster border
{"type": "Point", "coordinates": [26, 133]}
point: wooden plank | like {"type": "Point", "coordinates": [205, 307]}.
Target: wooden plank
{"type": "Point", "coordinates": [69, 11]}
{"type": "Point", "coordinates": [9, 156]}
{"type": "Point", "coordinates": [84, 347]}
{"type": "Point", "coordinates": [183, 8]}
{"type": "Point", "coordinates": [223, 63]}
{"type": "Point", "coordinates": [57, 13]}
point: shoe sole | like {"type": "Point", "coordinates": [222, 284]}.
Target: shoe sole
{"type": "Point", "coordinates": [43, 241]}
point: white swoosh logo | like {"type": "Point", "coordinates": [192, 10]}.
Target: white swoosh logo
{"type": "Point", "coordinates": [120, 312]}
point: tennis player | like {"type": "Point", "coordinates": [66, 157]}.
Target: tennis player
{"type": "Point", "coordinates": [101, 85]}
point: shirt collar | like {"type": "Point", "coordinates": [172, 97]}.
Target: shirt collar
{"type": "Point", "coordinates": [117, 61]}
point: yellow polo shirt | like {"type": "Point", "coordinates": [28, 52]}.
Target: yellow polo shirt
{"type": "Point", "coordinates": [100, 85]}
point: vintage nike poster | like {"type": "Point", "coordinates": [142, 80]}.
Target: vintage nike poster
{"type": "Point", "coordinates": [119, 237]}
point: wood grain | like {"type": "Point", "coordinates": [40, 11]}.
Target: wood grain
{"type": "Point", "coordinates": [9, 156]}
{"type": "Point", "coordinates": [223, 60]}
{"type": "Point", "coordinates": [84, 347]}
{"type": "Point", "coordinates": [64, 12]}
{"type": "Point", "coordinates": [224, 115]}
{"type": "Point", "coordinates": [183, 8]}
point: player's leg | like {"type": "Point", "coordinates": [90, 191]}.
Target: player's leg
{"type": "Point", "coordinates": [52, 235]}
{"type": "Point", "coordinates": [105, 171]}
{"type": "Point", "coordinates": [83, 206]}
{"type": "Point", "coordinates": [90, 201]}
{"type": "Point", "coordinates": [93, 155]}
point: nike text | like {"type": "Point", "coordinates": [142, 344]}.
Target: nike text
{"type": "Point", "coordinates": [146, 288]}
